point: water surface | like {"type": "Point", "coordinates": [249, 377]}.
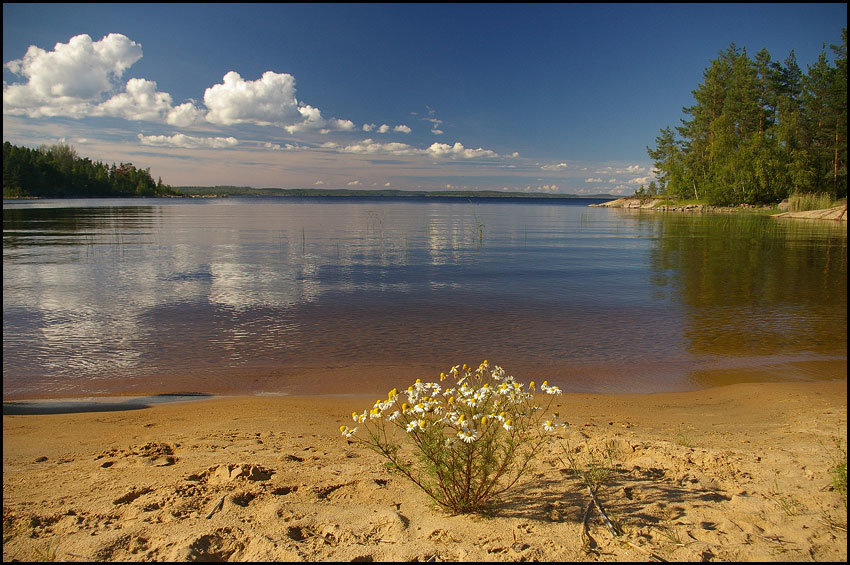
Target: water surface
{"type": "Point", "coordinates": [344, 295]}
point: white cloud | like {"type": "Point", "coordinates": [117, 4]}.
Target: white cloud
{"type": "Point", "coordinates": [139, 101]}
{"type": "Point", "coordinates": [458, 150]}
{"type": "Point", "coordinates": [184, 115]}
{"type": "Point", "coordinates": [334, 125]}
{"type": "Point", "coordinates": [269, 100]}
{"type": "Point", "coordinates": [387, 183]}
{"type": "Point", "coordinates": [354, 183]}
{"type": "Point", "coordinates": [436, 150]}
{"type": "Point", "coordinates": [81, 78]}
{"type": "Point", "coordinates": [69, 79]}
{"type": "Point", "coordinates": [277, 146]}
{"type": "Point", "coordinates": [435, 123]}
{"type": "Point", "coordinates": [641, 180]}
{"type": "Point", "coordinates": [367, 146]}
{"type": "Point", "coordinates": [187, 141]}
{"type": "Point", "coordinates": [627, 170]}
{"type": "Point", "coordinates": [593, 180]}
{"type": "Point", "coordinates": [558, 167]}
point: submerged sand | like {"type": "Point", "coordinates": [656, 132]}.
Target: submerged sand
{"type": "Point", "coordinates": [738, 473]}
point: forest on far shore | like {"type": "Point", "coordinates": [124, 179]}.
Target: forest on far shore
{"type": "Point", "coordinates": [57, 172]}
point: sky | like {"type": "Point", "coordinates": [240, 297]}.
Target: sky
{"type": "Point", "coordinates": [553, 98]}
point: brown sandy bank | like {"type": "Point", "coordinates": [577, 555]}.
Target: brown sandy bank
{"type": "Point", "coordinates": [731, 473]}
{"type": "Point", "coordinates": [838, 213]}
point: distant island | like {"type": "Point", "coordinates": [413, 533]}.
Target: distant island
{"type": "Point", "coordinates": [221, 191]}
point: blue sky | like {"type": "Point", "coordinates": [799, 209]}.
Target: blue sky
{"type": "Point", "coordinates": [541, 98]}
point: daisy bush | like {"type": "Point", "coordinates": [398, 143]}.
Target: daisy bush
{"type": "Point", "coordinates": [473, 433]}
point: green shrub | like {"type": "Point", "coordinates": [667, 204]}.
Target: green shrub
{"type": "Point", "coordinates": [471, 441]}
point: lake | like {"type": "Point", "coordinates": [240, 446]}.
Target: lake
{"type": "Point", "coordinates": [350, 295]}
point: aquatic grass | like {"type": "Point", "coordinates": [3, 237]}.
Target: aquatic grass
{"type": "Point", "coordinates": [472, 441]}
{"type": "Point", "coordinates": [803, 202]}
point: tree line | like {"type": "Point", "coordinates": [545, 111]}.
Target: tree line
{"type": "Point", "coordinates": [759, 131]}
{"type": "Point", "coordinates": [57, 172]}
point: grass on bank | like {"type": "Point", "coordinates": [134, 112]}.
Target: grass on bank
{"type": "Point", "coordinates": [799, 202]}
{"type": "Point", "coordinates": [805, 202]}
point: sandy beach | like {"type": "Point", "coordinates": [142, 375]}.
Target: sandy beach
{"type": "Point", "coordinates": [733, 473]}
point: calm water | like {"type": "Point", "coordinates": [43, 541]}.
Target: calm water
{"type": "Point", "coordinates": [289, 296]}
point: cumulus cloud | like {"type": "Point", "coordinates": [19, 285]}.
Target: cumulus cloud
{"type": "Point", "coordinates": [142, 101]}
{"type": "Point", "coordinates": [367, 146]}
{"type": "Point", "coordinates": [82, 78]}
{"type": "Point", "coordinates": [187, 141]}
{"type": "Point", "coordinates": [558, 167]}
{"type": "Point", "coordinates": [627, 170]}
{"type": "Point", "coordinates": [269, 100]}
{"type": "Point", "coordinates": [436, 150]}
{"type": "Point", "coordinates": [70, 79]}
{"type": "Point", "coordinates": [184, 115]}
{"type": "Point", "coordinates": [139, 101]}
{"type": "Point", "coordinates": [278, 147]}
{"type": "Point", "coordinates": [592, 179]}
{"type": "Point", "coordinates": [458, 150]}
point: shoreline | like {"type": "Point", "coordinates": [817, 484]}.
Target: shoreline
{"type": "Point", "coordinates": [736, 472]}
{"type": "Point", "coordinates": [638, 376]}
{"type": "Point", "coordinates": [838, 213]}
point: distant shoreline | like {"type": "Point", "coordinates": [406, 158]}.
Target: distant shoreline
{"type": "Point", "coordinates": [226, 192]}
{"type": "Point", "coordinates": [200, 191]}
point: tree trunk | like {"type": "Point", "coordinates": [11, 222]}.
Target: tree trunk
{"type": "Point", "coordinates": [835, 164]}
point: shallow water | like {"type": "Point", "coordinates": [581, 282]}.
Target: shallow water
{"type": "Point", "coordinates": [337, 295]}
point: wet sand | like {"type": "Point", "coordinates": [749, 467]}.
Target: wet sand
{"type": "Point", "coordinates": [736, 472]}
